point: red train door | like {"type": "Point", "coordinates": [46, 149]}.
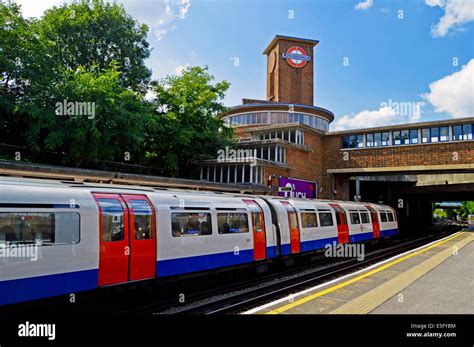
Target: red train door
{"type": "Point", "coordinates": [294, 227]}
{"type": "Point", "coordinates": [375, 221]}
{"type": "Point", "coordinates": [342, 227]}
{"type": "Point", "coordinates": [259, 237]}
{"type": "Point", "coordinates": [142, 237]}
{"type": "Point", "coordinates": [114, 239]}
{"type": "Point", "coordinates": [127, 238]}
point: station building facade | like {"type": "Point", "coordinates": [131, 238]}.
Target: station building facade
{"type": "Point", "coordinates": [286, 145]}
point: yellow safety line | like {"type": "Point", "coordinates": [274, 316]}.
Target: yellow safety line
{"type": "Point", "coordinates": [378, 295]}
{"type": "Point", "coordinates": [355, 279]}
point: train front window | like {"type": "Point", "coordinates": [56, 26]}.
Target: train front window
{"type": "Point", "coordinates": [390, 216]}
{"type": "Point", "coordinates": [142, 214]}
{"type": "Point", "coordinates": [190, 224]}
{"type": "Point", "coordinates": [112, 219]}
{"type": "Point", "coordinates": [383, 217]}
{"type": "Point", "coordinates": [232, 223]}
{"type": "Point", "coordinates": [43, 228]}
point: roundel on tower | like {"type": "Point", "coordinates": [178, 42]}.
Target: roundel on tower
{"type": "Point", "coordinates": [296, 56]}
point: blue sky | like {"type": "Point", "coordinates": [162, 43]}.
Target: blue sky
{"type": "Point", "coordinates": [407, 56]}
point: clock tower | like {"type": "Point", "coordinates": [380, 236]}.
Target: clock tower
{"type": "Point", "coordinates": [290, 70]}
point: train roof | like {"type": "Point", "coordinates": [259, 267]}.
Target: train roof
{"type": "Point", "coordinates": [175, 192]}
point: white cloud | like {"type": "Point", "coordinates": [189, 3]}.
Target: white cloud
{"type": "Point", "coordinates": [364, 5]}
{"type": "Point", "coordinates": [160, 16]}
{"type": "Point", "coordinates": [150, 95]}
{"type": "Point", "coordinates": [36, 8]}
{"type": "Point", "coordinates": [433, 3]}
{"type": "Point", "coordinates": [454, 93]}
{"type": "Point", "coordinates": [365, 119]}
{"type": "Point", "coordinates": [389, 113]}
{"type": "Point", "coordinates": [180, 68]}
{"type": "Point", "coordinates": [456, 13]}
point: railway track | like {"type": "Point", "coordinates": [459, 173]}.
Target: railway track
{"type": "Point", "coordinates": [236, 298]}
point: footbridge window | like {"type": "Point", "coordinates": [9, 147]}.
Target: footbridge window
{"type": "Point", "coordinates": [461, 132]}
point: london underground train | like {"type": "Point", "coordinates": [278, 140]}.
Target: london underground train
{"type": "Point", "coordinates": [63, 237]}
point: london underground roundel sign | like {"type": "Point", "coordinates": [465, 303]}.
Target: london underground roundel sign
{"type": "Point", "coordinates": [296, 56]}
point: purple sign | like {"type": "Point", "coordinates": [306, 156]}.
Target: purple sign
{"type": "Point", "coordinates": [294, 188]}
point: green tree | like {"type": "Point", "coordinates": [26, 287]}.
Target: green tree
{"type": "Point", "coordinates": [96, 33]}
{"type": "Point", "coordinates": [467, 207]}
{"type": "Point", "coordinates": [185, 128]}
{"type": "Point", "coordinates": [440, 213]}
{"type": "Point", "coordinates": [93, 53]}
{"type": "Point", "coordinates": [107, 124]}
{"type": "Point", "coordinates": [17, 63]}
{"type": "Point", "coordinates": [66, 56]}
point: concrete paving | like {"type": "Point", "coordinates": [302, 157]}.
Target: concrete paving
{"type": "Point", "coordinates": [449, 288]}
{"type": "Point", "coordinates": [431, 286]}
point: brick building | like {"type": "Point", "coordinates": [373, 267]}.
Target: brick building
{"type": "Point", "coordinates": [284, 142]}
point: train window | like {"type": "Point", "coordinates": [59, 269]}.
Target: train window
{"type": "Point", "coordinates": [390, 216]}
{"type": "Point", "coordinates": [355, 218]}
{"type": "Point", "coordinates": [112, 219]}
{"type": "Point", "coordinates": [232, 223]}
{"type": "Point", "coordinates": [190, 224]}
{"type": "Point", "coordinates": [383, 217]}
{"type": "Point", "coordinates": [309, 220]}
{"type": "Point", "coordinates": [338, 217]}
{"type": "Point", "coordinates": [344, 217]}
{"type": "Point", "coordinates": [257, 220]}
{"type": "Point", "coordinates": [373, 215]}
{"type": "Point", "coordinates": [325, 218]}
{"type": "Point", "coordinates": [364, 216]}
{"type": "Point", "coordinates": [44, 229]}
{"type": "Point", "coordinates": [143, 224]}
{"type": "Point", "coordinates": [257, 216]}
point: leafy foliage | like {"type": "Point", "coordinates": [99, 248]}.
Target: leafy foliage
{"type": "Point", "coordinates": [96, 33]}
{"type": "Point", "coordinates": [467, 208]}
{"type": "Point", "coordinates": [93, 52]}
{"type": "Point", "coordinates": [187, 106]}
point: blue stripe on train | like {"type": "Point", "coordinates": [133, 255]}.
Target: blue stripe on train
{"type": "Point", "coordinates": [38, 287]}
{"type": "Point", "coordinates": [388, 232]}
{"type": "Point", "coordinates": [317, 244]}
{"type": "Point", "coordinates": [178, 266]}
{"type": "Point", "coordinates": [285, 249]}
{"type": "Point", "coordinates": [361, 237]}
{"type": "Point", "coordinates": [271, 251]}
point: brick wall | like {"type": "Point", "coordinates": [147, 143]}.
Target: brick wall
{"type": "Point", "coordinates": [304, 164]}
{"type": "Point", "coordinates": [325, 153]}
{"type": "Point", "coordinates": [404, 155]}
{"type": "Point", "coordinates": [290, 84]}
{"type": "Point", "coordinates": [392, 156]}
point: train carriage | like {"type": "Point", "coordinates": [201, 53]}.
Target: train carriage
{"type": "Point", "coordinates": [93, 235]}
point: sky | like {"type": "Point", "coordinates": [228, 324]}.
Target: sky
{"type": "Point", "coordinates": [377, 62]}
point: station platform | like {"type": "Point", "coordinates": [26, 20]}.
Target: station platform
{"type": "Point", "coordinates": [437, 278]}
